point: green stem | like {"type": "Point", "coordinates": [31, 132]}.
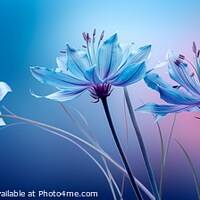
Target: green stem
{"type": "Point", "coordinates": [123, 157]}
{"type": "Point", "coordinates": [142, 146]}
{"type": "Point", "coordinates": [165, 157]}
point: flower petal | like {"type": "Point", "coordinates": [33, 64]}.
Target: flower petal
{"type": "Point", "coordinates": [63, 95]}
{"type": "Point", "coordinates": [61, 62]}
{"type": "Point", "coordinates": [162, 110]}
{"type": "Point", "coordinates": [129, 75]}
{"type": "Point", "coordinates": [77, 61]}
{"type": "Point", "coordinates": [138, 55]}
{"type": "Point", "coordinates": [4, 89]}
{"type": "Point", "coordinates": [177, 96]}
{"type": "Point", "coordinates": [181, 74]}
{"type": "Point", "coordinates": [198, 67]}
{"type": "Point", "coordinates": [109, 56]}
{"type": "Point", "coordinates": [126, 48]}
{"type": "Point", "coordinates": [56, 79]}
{"type": "Point", "coordinates": [92, 76]}
{"type": "Point", "coordinates": [153, 80]}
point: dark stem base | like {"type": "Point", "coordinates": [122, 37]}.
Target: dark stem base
{"type": "Point", "coordinates": [123, 157]}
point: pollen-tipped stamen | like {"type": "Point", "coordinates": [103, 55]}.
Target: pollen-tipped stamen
{"type": "Point", "coordinates": [93, 49]}
{"type": "Point", "coordinates": [194, 47]}
{"type": "Point", "coordinates": [101, 38]}
{"type": "Point", "coordinates": [62, 51]}
{"type": "Point", "coordinates": [198, 53]}
{"type": "Point", "coordinates": [177, 62]}
{"type": "Point", "coordinates": [182, 57]}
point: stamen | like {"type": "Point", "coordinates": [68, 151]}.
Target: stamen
{"type": "Point", "coordinates": [93, 38]}
{"type": "Point", "coordinates": [194, 48]}
{"type": "Point", "coordinates": [62, 51]}
{"type": "Point", "coordinates": [176, 86]}
{"type": "Point", "coordinates": [198, 53]}
{"type": "Point", "coordinates": [192, 74]}
{"type": "Point", "coordinates": [84, 36]}
{"type": "Point", "coordinates": [88, 38]}
{"type": "Point", "coordinates": [101, 38]}
{"type": "Point", "coordinates": [177, 62]}
{"type": "Point", "coordinates": [102, 35]}
{"type": "Point", "coordinates": [182, 57]}
{"type": "Point", "coordinates": [84, 46]}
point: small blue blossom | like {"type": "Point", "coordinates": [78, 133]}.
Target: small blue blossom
{"type": "Point", "coordinates": [185, 96]}
{"type": "Point", "coordinates": [4, 89]}
{"type": "Point", "coordinates": [96, 70]}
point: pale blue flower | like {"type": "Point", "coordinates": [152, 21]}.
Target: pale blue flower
{"type": "Point", "coordinates": [4, 89]}
{"type": "Point", "coordinates": [96, 69]}
{"type": "Point", "coordinates": [185, 96]}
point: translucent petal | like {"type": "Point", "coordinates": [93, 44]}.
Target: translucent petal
{"type": "Point", "coordinates": [4, 89]}
{"type": "Point", "coordinates": [138, 55]}
{"type": "Point", "coordinates": [198, 67]}
{"type": "Point", "coordinates": [63, 95]}
{"type": "Point", "coordinates": [153, 80]}
{"type": "Point", "coordinates": [61, 62]}
{"type": "Point", "coordinates": [109, 56]}
{"type": "Point", "coordinates": [162, 110]}
{"type": "Point", "coordinates": [129, 75]}
{"type": "Point", "coordinates": [92, 76]}
{"type": "Point", "coordinates": [56, 79]}
{"type": "Point", "coordinates": [182, 75]}
{"type": "Point", "coordinates": [176, 96]}
{"type": "Point", "coordinates": [77, 61]}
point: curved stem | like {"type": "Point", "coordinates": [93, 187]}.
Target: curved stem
{"type": "Point", "coordinates": [95, 143]}
{"type": "Point", "coordinates": [142, 146]}
{"type": "Point", "coordinates": [123, 157]}
{"type": "Point", "coordinates": [165, 157]}
{"type": "Point", "coordinates": [105, 155]}
{"type": "Point", "coordinates": [191, 167]}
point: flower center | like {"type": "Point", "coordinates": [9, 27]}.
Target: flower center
{"type": "Point", "coordinates": [100, 91]}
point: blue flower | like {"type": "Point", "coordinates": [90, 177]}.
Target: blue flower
{"type": "Point", "coordinates": [96, 69]}
{"type": "Point", "coordinates": [4, 89]}
{"type": "Point", "coordinates": [185, 96]}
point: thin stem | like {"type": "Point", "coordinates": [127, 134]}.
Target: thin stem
{"type": "Point", "coordinates": [126, 152]}
{"type": "Point", "coordinates": [165, 156]}
{"type": "Point", "coordinates": [105, 155]}
{"type": "Point", "coordinates": [142, 146]}
{"type": "Point", "coordinates": [192, 168]}
{"type": "Point", "coordinates": [95, 143]}
{"type": "Point", "coordinates": [123, 157]}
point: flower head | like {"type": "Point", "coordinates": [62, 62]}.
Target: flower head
{"type": "Point", "coordinates": [4, 89]}
{"type": "Point", "coordinates": [97, 69]}
{"type": "Point", "coordinates": [185, 96]}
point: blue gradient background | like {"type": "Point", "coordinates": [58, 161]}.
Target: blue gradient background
{"type": "Point", "coordinates": [31, 33]}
